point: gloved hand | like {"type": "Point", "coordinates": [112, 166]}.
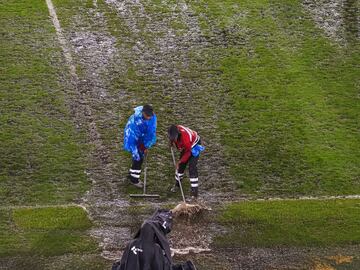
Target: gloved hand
{"type": "Point", "coordinates": [172, 144]}
{"type": "Point", "coordinates": [142, 148]}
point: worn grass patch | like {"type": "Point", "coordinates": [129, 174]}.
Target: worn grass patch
{"type": "Point", "coordinates": [45, 231]}
{"type": "Point", "coordinates": [291, 223]}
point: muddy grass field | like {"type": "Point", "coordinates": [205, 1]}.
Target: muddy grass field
{"type": "Point", "coordinates": [272, 87]}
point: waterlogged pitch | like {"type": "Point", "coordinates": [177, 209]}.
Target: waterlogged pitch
{"type": "Point", "coordinates": [272, 87]}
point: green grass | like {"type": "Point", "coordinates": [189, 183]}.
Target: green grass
{"type": "Point", "coordinates": [42, 155]}
{"type": "Point", "coordinates": [66, 262]}
{"type": "Point", "coordinates": [41, 152]}
{"type": "Point", "coordinates": [283, 97]}
{"type": "Point", "coordinates": [291, 118]}
{"type": "Point", "coordinates": [291, 223]}
{"type": "Point", "coordinates": [51, 218]}
{"type": "Point", "coordinates": [45, 231]}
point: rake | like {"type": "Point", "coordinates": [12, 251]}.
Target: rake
{"type": "Point", "coordinates": [144, 195]}
{"type": "Point", "coordinates": [184, 209]}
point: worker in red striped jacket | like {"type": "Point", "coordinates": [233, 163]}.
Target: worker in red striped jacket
{"type": "Point", "coordinates": [188, 143]}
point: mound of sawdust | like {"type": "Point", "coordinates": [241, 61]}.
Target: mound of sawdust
{"type": "Point", "coordinates": [340, 259]}
{"type": "Point", "coordinates": [323, 266]}
{"type": "Point", "coordinates": [188, 250]}
{"type": "Point", "coordinates": [187, 210]}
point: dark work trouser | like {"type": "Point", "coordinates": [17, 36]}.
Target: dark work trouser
{"type": "Point", "coordinates": [193, 174]}
{"type": "Point", "coordinates": [135, 171]}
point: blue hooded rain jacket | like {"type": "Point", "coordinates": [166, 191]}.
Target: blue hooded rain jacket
{"type": "Point", "coordinates": [139, 131]}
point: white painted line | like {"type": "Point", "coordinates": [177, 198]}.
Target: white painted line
{"type": "Point", "coordinates": [305, 198]}
{"type": "Point", "coordinates": [42, 206]}
{"type": "Point", "coordinates": [61, 38]}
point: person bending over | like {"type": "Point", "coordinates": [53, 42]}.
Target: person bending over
{"type": "Point", "coordinates": [188, 143]}
{"type": "Point", "coordinates": [139, 136]}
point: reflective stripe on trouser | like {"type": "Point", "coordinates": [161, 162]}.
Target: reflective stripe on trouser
{"type": "Point", "coordinates": [135, 174]}
{"type": "Point", "coordinates": [194, 182]}
{"type": "Point", "coordinates": [135, 171]}
{"type": "Point", "coordinates": [193, 173]}
{"type": "Point", "coordinates": [178, 176]}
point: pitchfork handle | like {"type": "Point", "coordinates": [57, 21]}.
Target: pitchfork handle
{"type": "Point", "coordinates": [179, 181]}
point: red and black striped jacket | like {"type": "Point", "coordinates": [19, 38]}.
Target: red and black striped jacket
{"type": "Point", "coordinates": [187, 140]}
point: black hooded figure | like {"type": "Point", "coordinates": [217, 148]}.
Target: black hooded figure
{"type": "Point", "coordinates": [150, 249]}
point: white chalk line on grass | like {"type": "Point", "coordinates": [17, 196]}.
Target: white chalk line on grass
{"type": "Point", "coordinates": [303, 198]}
{"type": "Point", "coordinates": [67, 205]}
{"type": "Point", "coordinates": [306, 198]}
{"type": "Point", "coordinates": [61, 38]}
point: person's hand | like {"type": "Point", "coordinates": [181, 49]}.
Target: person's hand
{"type": "Point", "coordinates": [177, 165]}
{"type": "Point", "coordinates": [145, 151]}
{"type": "Point", "coordinates": [142, 148]}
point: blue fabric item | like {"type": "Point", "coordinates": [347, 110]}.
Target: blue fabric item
{"type": "Point", "coordinates": [197, 149]}
{"type": "Point", "coordinates": [139, 131]}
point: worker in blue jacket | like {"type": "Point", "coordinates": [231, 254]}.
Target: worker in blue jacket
{"type": "Point", "coordinates": [139, 136]}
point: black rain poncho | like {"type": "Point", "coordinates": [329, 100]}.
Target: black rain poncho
{"type": "Point", "coordinates": [150, 248]}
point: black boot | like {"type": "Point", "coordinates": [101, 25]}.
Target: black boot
{"type": "Point", "coordinates": [175, 188]}
{"type": "Point", "coordinates": [137, 183]}
{"type": "Point", "coordinates": [188, 266]}
{"type": "Point", "coordinates": [194, 192]}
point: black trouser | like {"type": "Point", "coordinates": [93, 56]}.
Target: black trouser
{"type": "Point", "coordinates": [193, 173]}
{"type": "Point", "coordinates": [135, 170]}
